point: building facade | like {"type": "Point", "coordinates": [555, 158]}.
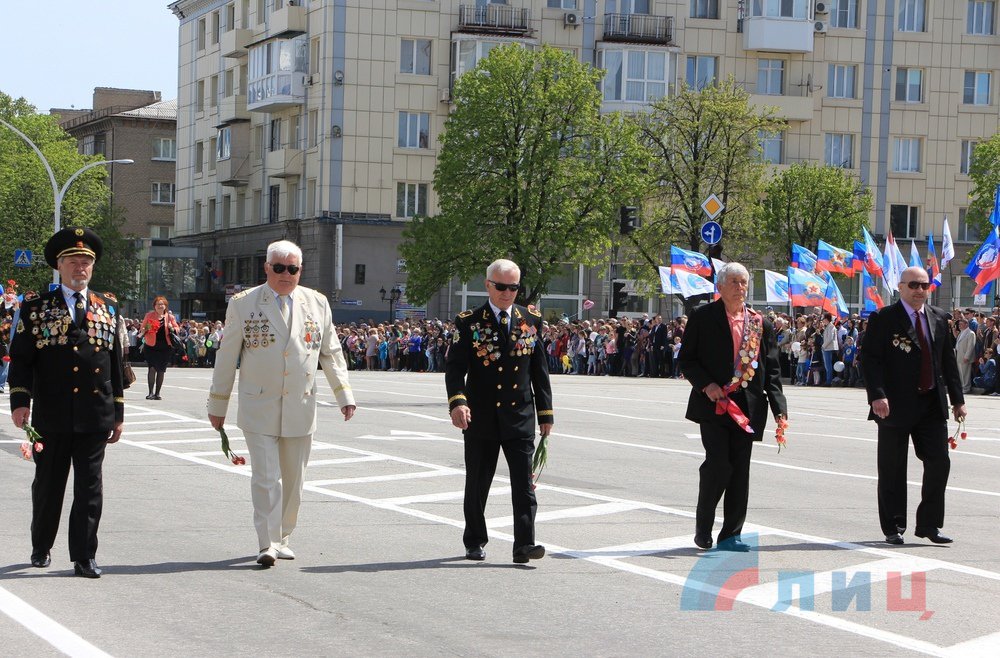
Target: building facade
{"type": "Point", "coordinates": [317, 120]}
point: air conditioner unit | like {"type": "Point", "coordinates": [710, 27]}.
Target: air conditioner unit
{"type": "Point", "coordinates": [571, 19]}
{"type": "Point", "coordinates": [820, 27]}
{"type": "Point", "coordinates": [822, 8]}
{"type": "Point", "coordinates": [445, 95]}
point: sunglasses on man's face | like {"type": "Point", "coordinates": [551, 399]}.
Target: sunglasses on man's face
{"type": "Point", "coordinates": [279, 268]}
{"type": "Point", "coordinates": [504, 287]}
{"type": "Point", "coordinates": [913, 285]}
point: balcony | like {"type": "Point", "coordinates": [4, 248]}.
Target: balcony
{"type": "Point", "coordinates": [284, 162]}
{"type": "Point", "coordinates": [234, 42]}
{"type": "Point", "coordinates": [494, 19]}
{"type": "Point", "coordinates": [276, 92]}
{"type": "Point", "coordinates": [287, 21]}
{"type": "Point", "coordinates": [234, 171]}
{"type": "Point", "coordinates": [232, 109]}
{"type": "Point", "coordinates": [778, 34]}
{"type": "Point", "coordinates": [639, 28]}
{"type": "Point", "coordinates": [789, 108]}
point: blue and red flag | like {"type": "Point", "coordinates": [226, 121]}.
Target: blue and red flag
{"type": "Point", "coordinates": [832, 259]}
{"type": "Point", "coordinates": [870, 293]}
{"type": "Point", "coordinates": [933, 270]}
{"type": "Point", "coordinates": [859, 256]}
{"type": "Point", "coordinates": [805, 288]}
{"type": "Point", "coordinates": [985, 265]}
{"type": "Point", "coordinates": [690, 261]}
{"type": "Point", "coordinates": [995, 215]}
{"type": "Point", "coordinates": [834, 302]}
{"type": "Point", "coordinates": [872, 256]}
{"type": "Point", "coordinates": [802, 258]}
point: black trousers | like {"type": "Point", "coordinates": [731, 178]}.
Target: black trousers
{"type": "Point", "coordinates": [481, 454]}
{"type": "Point", "coordinates": [725, 471]}
{"type": "Point", "coordinates": [86, 453]}
{"type": "Point", "coordinates": [930, 443]}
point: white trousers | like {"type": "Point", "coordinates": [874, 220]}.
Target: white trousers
{"type": "Point", "coordinates": [278, 468]}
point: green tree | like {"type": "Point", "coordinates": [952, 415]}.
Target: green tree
{"type": "Point", "coordinates": [27, 201]}
{"type": "Point", "coordinates": [806, 203]}
{"type": "Point", "coordinates": [529, 169]}
{"type": "Point", "coordinates": [985, 174]}
{"type": "Point", "coordinates": [702, 142]}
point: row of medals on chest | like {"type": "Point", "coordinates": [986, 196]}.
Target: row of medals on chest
{"type": "Point", "coordinates": [51, 326]}
{"type": "Point", "coordinates": [487, 346]}
{"type": "Point", "coordinates": [747, 362]}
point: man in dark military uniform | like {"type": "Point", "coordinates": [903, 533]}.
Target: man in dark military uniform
{"type": "Point", "coordinates": [67, 358]}
{"type": "Point", "coordinates": [498, 381]}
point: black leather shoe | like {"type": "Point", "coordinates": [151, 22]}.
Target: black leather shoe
{"type": "Point", "coordinates": [525, 553]}
{"type": "Point", "coordinates": [895, 540]}
{"type": "Point", "coordinates": [87, 568]}
{"type": "Point", "coordinates": [734, 545]}
{"type": "Point", "coordinates": [476, 553]}
{"type": "Point", "coordinates": [933, 535]}
{"type": "Point", "coordinates": [703, 541]}
{"type": "Point", "coordinates": [40, 559]}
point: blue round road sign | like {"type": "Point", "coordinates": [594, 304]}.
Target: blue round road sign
{"type": "Point", "coordinates": [711, 232]}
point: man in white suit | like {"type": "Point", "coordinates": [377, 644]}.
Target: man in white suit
{"type": "Point", "coordinates": [965, 353]}
{"type": "Point", "coordinates": [278, 332]}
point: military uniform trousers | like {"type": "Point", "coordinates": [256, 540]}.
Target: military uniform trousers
{"type": "Point", "coordinates": [277, 473]}
{"type": "Point", "coordinates": [481, 454]}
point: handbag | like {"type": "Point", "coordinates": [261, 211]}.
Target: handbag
{"type": "Point", "coordinates": [129, 375]}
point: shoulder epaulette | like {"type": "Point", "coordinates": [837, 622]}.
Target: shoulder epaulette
{"type": "Point", "coordinates": [111, 296]}
{"type": "Point", "coordinates": [240, 294]}
{"type": "Point", "coordinates": [464, 314]}
{"type": "Point", "coordinates": [30, 296]}
{"type": "Point", "coordinates": [534, 311]}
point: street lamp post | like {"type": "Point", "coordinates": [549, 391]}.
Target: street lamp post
{"type": "Point", "coordinates": [58, 193]}
{"type": "Point", "coordinates": [392, 297]}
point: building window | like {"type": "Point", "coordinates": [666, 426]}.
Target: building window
{"type": "Point", "coordinates": [163, 193]}
{"type": "Point", "coordinates": [199, 157]}
{"type": "Point", "coordinates": [840, 82]}
{"type": "Point", "coordinates": [161, 232]}
{"type": "Point", "coordinates": [966, 233]}
{"type": "Point", "coordinates": [255, 208]}
{"type": "Point", "coordinates": [275, 142]}
{"type": "Point", "coordinates": [414, 130]}
{"type": "Point", "coordinates": [273, 203]}
{"type": "Point", "coordinates": [981, 17]}
{"type": "Point", "coordinates": [313, 128]}
{"type": "Point", "coordinates": [199, 100]}
{"type": "Point", "coordinates": [781, 8]}
{"type": "Point", "coordinates": [201, 34]}
{"type": "Point", "coordinates": [196, 218]}
{"type": "Point", "coordinates": [164, 148]}
{"type": "Point", "coordinates": [906, 154]}
{"type": "Point", "coordinates": [213, 91]}
{"type": "Point", "coordinates": [839, 150]}
{"type": "Point", "coordinates": [637, 76]}
{"type": "Point", "coordinates": [562, 4]}
{"type": "Point", "coordinates": [272, 69]}
{"type": "Point", "coordinates": [213, 152]}
{"type": "Point", "coordinates": [977, 88]}
{"type": "Point", "coordinates": [909, 85]}
{"type": "Point", "coordinates": [415, 56]}
{"type": "Point", "coordinates": [702, 71]}
{"type": "Point", "coordinates": [704, 8]}
{"type": "Point", "coordinates": [227, 206]}
{"type": "Point", "coordinates": [215, 27]}
{"type": "Point", "coordinates": [772, 146]}
{"type": "Point", "coordinates": [258, 141]}
{"type": "Point", "coordinates": [359, 274]}
{"type": "Point", "coordinates": [911, 16]}
{"type": "Point", "coordinates": [771, 77]}
{"type": "Point", "coordinates": [212, 215]}
{"type": "Point", "coordinates": [411, 199]}
{"type": "Point", "coordinates": [245, 270]}
{"type": "Point", "coordinates": [223, 144]}
{"type": "Point", "coordinates": [903, 221]}
{"type": "Point", "coordinates": [627, 7]}
{"type": "Point", "coordinates": [844, 13]}
{"type": "Point", "coordinates": [965, 161]}
{"type": "Point", "coordinates": [467, 53]}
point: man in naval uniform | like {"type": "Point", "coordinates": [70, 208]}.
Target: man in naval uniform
{"type": "Point", "coordinates": [278, 333]}
{"type": "Point", "coordinates": [498, 382]}
{"type": "Point", "coordinates": [66, 360]}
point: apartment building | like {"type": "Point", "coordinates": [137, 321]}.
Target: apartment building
{"type": "Point", "coordinates": [318, 120]}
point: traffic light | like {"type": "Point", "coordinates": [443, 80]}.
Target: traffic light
{"type": "Point", "coordinates": [619, 298]}
{"type": "Point", "coordinates": [629, 219]}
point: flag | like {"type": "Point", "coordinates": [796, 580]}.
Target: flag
{"type": "Point", "coordinates": [995, 214]}
{"type": "Point", "coordinates": [689, 284]}
{"type": "Point", "coordinates": [805, 288]}
{"type": "Point", "coordinates": [689, 261]}
{"type": "Point", "coordinates": [803, 259]}
{"type": "Point", "coordinates": [915, 255]}
{"type": "Point", "coordinates": [667, 281]}
{"type": "Point", "coordinates": [834, 301]}
{"type": "Point", "coordinates": [985, 265]}
{"type": "Point", "coordinates": [872, 257]}
{"type": "Point", "coordinates": [933, 271]}
{"type": "Point", "coordinates": [890, 273]}
{"type": "Point", "coordinates": [777, 287]}
{"type": "Point", "coordinates": [859, 256]}
{"type": "Point", "coordinates": [947, 247]}
{"type": "Point", "coordinates": [716, 264]}
{"type": "Point", "coordinates": [832, 259]}
{"type": "Point", "coordinates": [872, 298]}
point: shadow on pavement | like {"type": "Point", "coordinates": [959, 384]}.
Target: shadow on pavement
{"type": "Point", "coordinates": [438, 563]}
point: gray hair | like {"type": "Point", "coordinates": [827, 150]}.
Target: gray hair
{"type": "Point", "coordinates": [730, 269]}
{"type": "Point", "coordinates": [501, 265]}
{"type": "Point", "coordinates": [283, 249]}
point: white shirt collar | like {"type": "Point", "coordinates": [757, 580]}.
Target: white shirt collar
{"type": "Point", "coordinates": [497, 309]}
{"type": "Point", "coordinates": [276, 295]}
{"type": "Point", "coordinates": [69, 292]}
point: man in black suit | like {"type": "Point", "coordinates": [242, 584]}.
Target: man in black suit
{"type": "Point", "coordinates": [66, 358]}
{"type": "Point", "coordinates": [658, 355]}
{"type": "Point", "coordinates": [909, 363]}
{"type": "Point", "coordinates": [730, 356]}
{"type": "Point", "coordinates": [498, 382]}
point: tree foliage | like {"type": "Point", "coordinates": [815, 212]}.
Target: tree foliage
{"type": "Point", "coordinates": [528, 169]}
{"type": "Point", "coordinates": [985, 174]}
{"type": "Point", "coordinates": [806, 203]}
{"type": "Point", "coordinates": [27, 201]}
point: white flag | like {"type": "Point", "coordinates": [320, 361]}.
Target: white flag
{"type": "Point", "coordinates": [690, 284]}
{"type": "Point", "coordinates": [666, 281]}
{"type": "Point", "coordinates": [890, 273]}
{"type": "Point", "coordinates": [777, 287]}
{"type": "Point", "coordinates": [947, 247]}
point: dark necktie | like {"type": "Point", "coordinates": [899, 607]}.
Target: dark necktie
{"type": "Point", "coordinates": [503, 324]}
{"type": "Point", "coordinates": [926, 369]}
{"type": "Point", "coordinates": [80, 310]}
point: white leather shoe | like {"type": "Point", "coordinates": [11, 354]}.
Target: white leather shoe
{"type": "Point", "coordinates": [266, 557]}
{"type": "Point", "coordinates": [284, 552]}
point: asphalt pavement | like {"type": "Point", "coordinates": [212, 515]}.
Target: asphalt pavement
{"type": "Point", "coordinates": [380, 569]}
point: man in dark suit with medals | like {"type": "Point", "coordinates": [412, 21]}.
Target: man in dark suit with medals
{"type": "Point", "coordinates": [909, 363]}
{"type": "Point", "coordinates": [498, 382]}
{"type": "Point", "coordinates": [66, 359]}
{"type": "Point", "coordinates": [730, 357]}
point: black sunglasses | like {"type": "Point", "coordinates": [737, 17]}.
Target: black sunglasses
{"type": "Point", "coordinates": [504, 287]}
{"type": "Point", "coordinates": [279, 268]}
{"type": "Point", "coordinates": [923, 285]}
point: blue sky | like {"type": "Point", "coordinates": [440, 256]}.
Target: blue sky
{"type": "Point", "coordinates": [54, 52]}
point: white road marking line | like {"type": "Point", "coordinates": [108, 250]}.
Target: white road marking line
{"type": "Point", "coordinates": [345, 460]}
{"type": "Point", "coordinates": [980, 647]}
{"type": "Point", "coordinates": [636, 549]}
{"type": "Point", "coordinates": [395, 477]}
{"type": "Point", "coordinates": [495, 492]}
{"type": "Point", "coordinates": [47, 628]}
{"type": "Point", "coordinates": [626, 416]}
{"type": "Point", "coordinates": [182, 441]}
{"type": "Point", "coordinates": [583, 511]}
